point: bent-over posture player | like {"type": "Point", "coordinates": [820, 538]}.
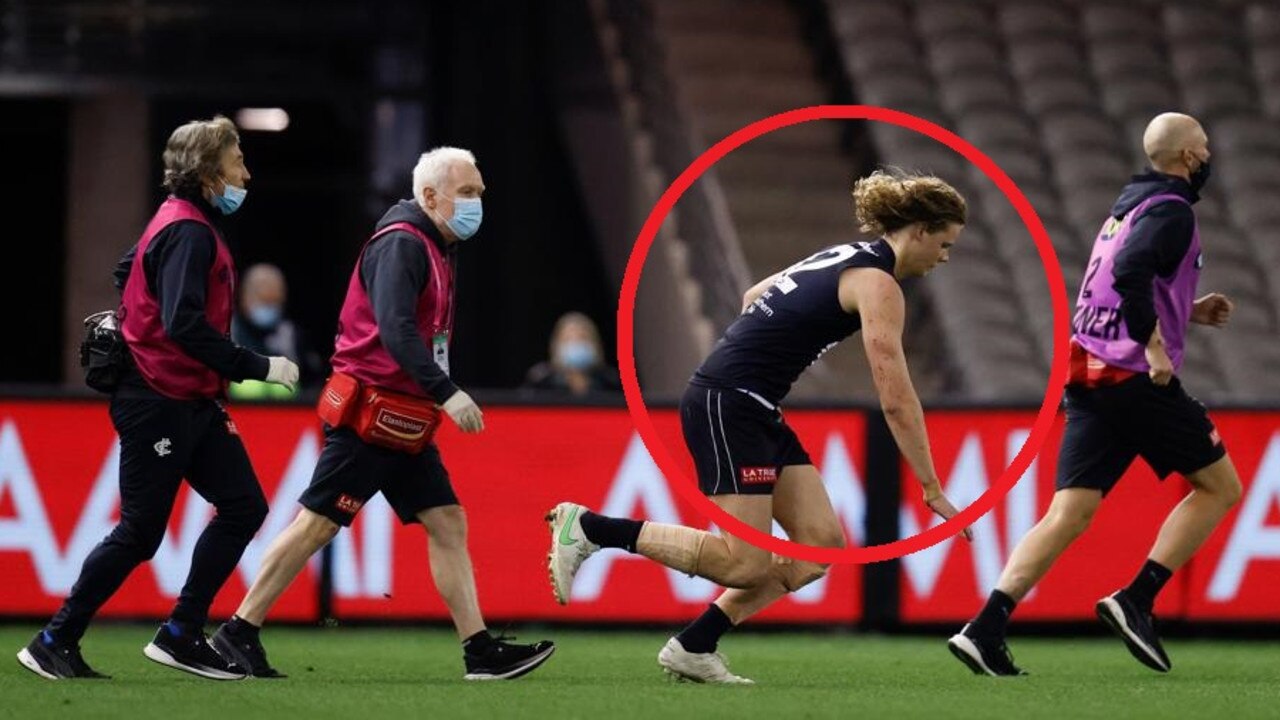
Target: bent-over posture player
{"type": "Point", "coordinates": [748, 460]}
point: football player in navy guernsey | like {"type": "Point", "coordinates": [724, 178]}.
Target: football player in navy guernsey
{"type": "Point", "coordinates": [748, 460]}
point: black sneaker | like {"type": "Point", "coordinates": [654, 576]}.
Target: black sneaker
{"type": "Point", "coordinates": [1134, 625]}
{"type": "Point", "coordinates": [984, 656]}
{"type": "Point", "coordinates": [52, 660]}
{"type": "Point", "coordinates": [505, 661]}
{"type": "Point", "coordinates": [245, 652]}
{"type": "Point", "coordinates": [191, 653]}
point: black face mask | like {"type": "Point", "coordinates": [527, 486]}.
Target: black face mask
{"type": "Point", "coordinates": [1200, 176]}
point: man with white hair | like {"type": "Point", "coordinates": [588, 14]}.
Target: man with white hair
{"type": "Point", "coordinates": [381, 406]}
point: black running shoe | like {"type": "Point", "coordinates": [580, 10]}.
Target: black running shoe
{"type": "Point", "coordinates": [52, 660]}
{"type": "Point", "coordinates": [1134, 625]}
{"type": "Point", "coordinates": [191, 653]}
{"type": "Point", "coordinates": [984, 656]}
{"type": "Point", "coordinates": [245, 652]}
{"type": "Point", "coordinates": [505, 661]}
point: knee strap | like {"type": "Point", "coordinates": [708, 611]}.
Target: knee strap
{"type": "Point", "coordinates": [795, 574]}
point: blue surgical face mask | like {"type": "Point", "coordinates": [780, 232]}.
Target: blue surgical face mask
{"type": "Point", "coordinates": [230, 199]}
{"type": "Point", "coordinates": [265, 317]}
{"type": "Point", "coordinates": [577, 354]}
{"type": "Point", "coordinates": [467, 215]}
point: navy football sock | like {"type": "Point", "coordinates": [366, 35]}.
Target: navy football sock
{"type": "Point", "coordinates": [611, 532]}
{"type": "Point", "coordinates": [703, 635]}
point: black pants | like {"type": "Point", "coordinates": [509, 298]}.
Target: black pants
{"type": "Point", "coordinates": [163, 441]}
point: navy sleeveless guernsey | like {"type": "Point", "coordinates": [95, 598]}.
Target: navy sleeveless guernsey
{"type": "Point", "coordinates": [791, 325]}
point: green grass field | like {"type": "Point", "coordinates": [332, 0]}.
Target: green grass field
{"type": "Point", "coordinates": [363, 674]}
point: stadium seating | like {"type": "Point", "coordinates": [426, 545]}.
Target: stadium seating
{"type": "Point", "coordinates": [1058, 94]}
{"type": "Point", "coordinates": [788, 192]}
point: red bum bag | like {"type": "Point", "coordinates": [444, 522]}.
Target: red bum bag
{"type": "Point", "coordinates": [381, 417]}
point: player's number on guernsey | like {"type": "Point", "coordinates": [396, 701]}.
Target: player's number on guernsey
{"type": "Point", "coordinates": [817, 261]}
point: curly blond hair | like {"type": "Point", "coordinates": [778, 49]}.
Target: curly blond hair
{"type": "Point", "coordinates": [887, 200]}
{"type": "Point", "coordinates": [194, 153]}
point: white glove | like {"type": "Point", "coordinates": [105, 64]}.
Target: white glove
{"type": "Point", "coordinates": [283, 371]}
{"type": "Point", "coordinates": [464, 412]}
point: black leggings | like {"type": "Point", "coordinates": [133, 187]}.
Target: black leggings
{"type": "Point", "coordinates": [161, 442]}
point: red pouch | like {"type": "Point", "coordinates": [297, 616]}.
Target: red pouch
{"type": "Point", "coordinates": [381, 417]}
{"type": "Point", "coordinates": [397, 421]}
{"type": "Point", "coordinates": [338, 400]}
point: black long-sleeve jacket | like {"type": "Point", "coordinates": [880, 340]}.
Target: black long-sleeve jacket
{"type": "Point", "coordinates": [1157, 243]}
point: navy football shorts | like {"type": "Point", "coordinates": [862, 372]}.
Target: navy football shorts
{"type": "Point", "coordinates": [739, 445]}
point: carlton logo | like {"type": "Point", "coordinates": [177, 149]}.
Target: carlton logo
{"type": "Point", "coordinates": [758, 475]}
{"type": "Point", "coordinates": [402, 426]}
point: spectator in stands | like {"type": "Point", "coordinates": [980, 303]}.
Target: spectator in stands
{"type": "Point", "coordinates": [1124, 400]}
{"type": "Point", "coordinates": [260, 325]}
{"type": "Point", "coordinates": [576, 365]}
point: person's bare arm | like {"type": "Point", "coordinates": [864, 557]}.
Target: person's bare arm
{"type": "Point", "coordinates": [1161, 371]}
{"type": "Point", "coordinates": [878, 299]}
{"type": "Point", "coordinates": [757, 290]}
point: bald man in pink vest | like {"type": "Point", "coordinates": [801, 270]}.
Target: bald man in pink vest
{"type": "Point", "coordinates": [1124, 400]}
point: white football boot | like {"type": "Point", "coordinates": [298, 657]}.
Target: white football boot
{"type": "Point", "coordinates": [709, 667]}
{"type": "Point", "coordinates": [569, 548]}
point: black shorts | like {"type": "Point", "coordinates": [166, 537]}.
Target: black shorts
{"type": "Point", "coordinates": [739, 446]}
{"type": "Point", "coordinates": [1108, 427]}
{"type": "Point", "coordinates": [350, 471]}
